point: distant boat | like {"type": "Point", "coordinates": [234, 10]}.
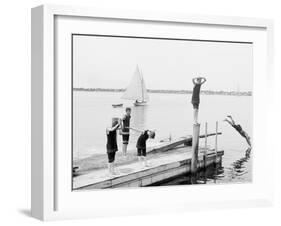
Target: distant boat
{"type": "Point", "coordinates": [117, 105]}
{"type": "Point", "coordinates": [136, 90]}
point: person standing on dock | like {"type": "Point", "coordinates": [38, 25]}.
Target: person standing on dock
{"type": "Point", "coordinates": [125, 130]}
{"type": "Point", "coordinates": [141, 144]}
{"type": "Point", "coordinates": [196, 95]}
{"type": "Point", "coordinates": [111, 145]}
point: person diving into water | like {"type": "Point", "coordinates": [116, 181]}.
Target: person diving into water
{"type": "Point", "coordinates": [239, 129]}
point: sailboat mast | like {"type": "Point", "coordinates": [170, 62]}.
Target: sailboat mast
{"type": "Point", "coordinates": [142, 86]}
{"type": "Point", "coordinates": [136, 90]}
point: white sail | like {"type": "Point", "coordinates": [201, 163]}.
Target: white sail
{"type": "Point", "coordinates": [145, 96]}
{"type": "Point", "coordinates": [136, 89]}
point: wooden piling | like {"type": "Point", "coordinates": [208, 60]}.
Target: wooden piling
{"type": "Point", "coordinates": [216, 139]}
{"type": "Point", "coordinates": [195, 144]}
{"type": "Point", "coordinates": [206, 143]}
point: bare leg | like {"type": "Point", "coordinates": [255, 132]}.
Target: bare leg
{"type": "Point", "coordinates": [248, 139]}
{"type": "Point", "coordinates": [110, 169]}
{"type": "Point", "coordinates": [114, 171]}
{"type": "Point", "coordinates": [139, 159]}
{"type": "Point", "coordinates": [143, 159]}
{"type": "Point", "coordinates": [195, 115]}
{"type": "Point", "coordinates": [125, 149]}
{"type": "Point", "coordinates": [248, 152]}
{"type": "Point", "coordinates": [249, 142]}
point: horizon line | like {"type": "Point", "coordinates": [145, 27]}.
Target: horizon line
{"type": "Point", "coordinates": [183, 91]}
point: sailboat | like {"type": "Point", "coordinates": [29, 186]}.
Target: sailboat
{"type": "Point", "coordinates": [136, 90]}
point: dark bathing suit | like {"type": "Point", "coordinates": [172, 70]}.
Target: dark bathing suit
{"type": "Point", "coordinates": [111, 145]}
{"type": "Point", "coordinates": [141, 143]}
{"type": "Point", "coordinates": [126, 123]}
{"type": "Point", "coordinates": [196, 96]}
{"type": "Point", "coordinates": [240, 130]}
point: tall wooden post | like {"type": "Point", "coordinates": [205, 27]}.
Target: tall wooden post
{"type": "Point", "coordinates": [195, 144]}
{"type": "Point", "coordinates": [206, 144]}
{"type": "Point", "coordinates": [216, 140]}
{"type": "Point", "coordinates": [195, 100]}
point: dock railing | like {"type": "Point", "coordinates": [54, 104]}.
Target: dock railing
{"type": "Point", "coordinates": [206, 143]}
{"type": "Point", "coordinates": [195, 144]}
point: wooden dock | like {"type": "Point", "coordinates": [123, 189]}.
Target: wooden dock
{"type": "Point", "coordinates": [168, 163]}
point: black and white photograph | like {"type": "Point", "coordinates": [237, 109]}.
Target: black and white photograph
{"type": "Point", "coordinates": [139, 113]}
{"type": "Point", "coordinates": [150, 111]}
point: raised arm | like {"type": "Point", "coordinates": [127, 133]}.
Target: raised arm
{"type": "Point", "coordinates": [204, 80]}
{"type": "Point", "coordinates": [114, 127]}
{"type": "Point", "coordinates": [230, 123]}
{"type": "Point", "coordinates": [201, 80]}
{"type": "Point", "coordinates": [194, 81]}
{"type": "Point", "coordinates": [135, 129]}
{"type": "Point", "coordinates": [121, 122]}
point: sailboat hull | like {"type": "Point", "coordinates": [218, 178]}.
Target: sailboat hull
{"type": "Point", "coordinates": [140, 103]}
{"type": "Point", "coordinates": [117, 105]}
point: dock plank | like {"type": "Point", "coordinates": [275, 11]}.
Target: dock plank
{"type": "Point", "coordinates": [167, 164]}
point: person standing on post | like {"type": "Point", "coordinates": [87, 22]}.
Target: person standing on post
{"type": "Point", "coordinates": [126, 130]}
{"type": "Point", "coordinates": [196, 95]}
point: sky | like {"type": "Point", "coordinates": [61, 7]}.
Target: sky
{"type": "Point", "coordinates": [110, 62]}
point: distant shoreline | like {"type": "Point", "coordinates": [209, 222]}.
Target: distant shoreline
{"type": "Point", "coordinates": [206, 92]}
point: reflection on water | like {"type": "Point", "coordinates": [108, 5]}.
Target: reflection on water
{"type": "Point", "coordinates": [212, 174]}
{"type": "Point", "coordinates": [239, 168]}
{"type": "Point", "coordinates": [139, 114]}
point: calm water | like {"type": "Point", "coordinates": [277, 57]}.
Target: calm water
{"type": "Point", "coordinates": [169, 114]}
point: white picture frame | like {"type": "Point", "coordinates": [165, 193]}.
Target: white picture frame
{"type": "Point", "coordinates": [51, 198]}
